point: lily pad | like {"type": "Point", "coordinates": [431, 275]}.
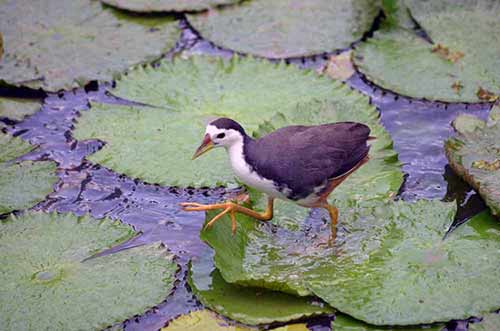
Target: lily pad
{"type": "Point", "coordinates": [58, 44]}
{"type": "Point", "coordinates": [54, 280]}
{"type": "Point", "coordinates": [208, 321]}
{"type": "Point", "coordinates": [202, 320]}
{"type": "Point", "coordinates": [461, 61]}
{"type": "Point", "coordinates": [147, 6]}
{"type": "Point", "coordinates": [287, 28]}
{"type": "Point", "coordinates": [22, 184]}
{"type": "Point", "coordinates": [17, 108]}
{"type": "Point", "coordinates": [490, 322]}
{"type": "Point", "coordinates": [247, 305]}
{"type": "Point", "coordinates": [156, 144]}
{"type": "Point", "coordinates": [347, 323]}
{"type": "Point", "coordinates": [474, 154]}
{"type": "Point", "coordinates": [391, 266]}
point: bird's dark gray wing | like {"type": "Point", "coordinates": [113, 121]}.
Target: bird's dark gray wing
{"type": "Point", "coordinates": [304, 157]}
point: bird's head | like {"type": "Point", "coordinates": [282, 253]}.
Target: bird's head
{"type": "Point", "coordinates": [223, 132]}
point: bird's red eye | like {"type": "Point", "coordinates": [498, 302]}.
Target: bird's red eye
{"type": "Point", "coordinates": [221, 135]}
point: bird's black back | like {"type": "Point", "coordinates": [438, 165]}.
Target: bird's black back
{"type": "Point", "coordinates": [302, 158]}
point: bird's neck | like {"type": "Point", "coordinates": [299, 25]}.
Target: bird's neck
{"type": "Point", "coordinates": [237, 150]}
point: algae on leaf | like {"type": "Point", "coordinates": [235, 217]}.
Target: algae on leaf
{"type": "Point", "coordinates": [156, 144]}
{"type": "Point", "coordinates": [58, 44]}
{"type": "Point", "coordinates": [474, 154]}
{"type": "Point", "coordinates": [287, 28]}
{"type": "Point", "coordinates": [22, 184]}
{"type": "Point", "coordinates": [147, 6]}
{"type": "Point", "coordinates": [392, 266]}
{"type": "Point", "coordinates": [17, 108]}
{"type": "Point", "coordinates": [247, 305]}
{"type": "Point", "coordinates": [52, 278]}
{"type": "Point", "coordinates": [461, 60]}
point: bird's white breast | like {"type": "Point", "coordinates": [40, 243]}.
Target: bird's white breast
{"type": "Point", "coordinates": [244, 172]}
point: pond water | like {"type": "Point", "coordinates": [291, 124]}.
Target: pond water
{"type": "Point", "coordinates": [418, 129]}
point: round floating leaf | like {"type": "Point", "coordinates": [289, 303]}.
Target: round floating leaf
{"type": "Point", "coordinates": [58, 44]}
{"type": "Point", "coordinates": [22, 184]}
{"type": "Point", "coordinates": [245, 304]}
{"type": "Point", "coordinates": [490, 322]}
{"type": "Point", "coordinates": [146, 6]}
{"type": "Point", "coordinates": [206, 320]}
{"type": "Point", "coordinates": [347, 323]}
{"type": "Point", "coordinates": [461, 60]}
{"type": "Point", "coordinates": [17, 108]}
{"type": "Point", "coordinates": [156, 144]}
{"type": "Point", "coordinates": [474, 154]}
{"type": "Point", "coordinates": [53, 278]}
{"type": "Point", "coordinates": [202, 320]}
{"type": "Point", "coordinates": [287, 28]}
{"type": "Point", "coordinates": [391, 267]}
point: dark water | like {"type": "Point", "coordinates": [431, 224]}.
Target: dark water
{"type": "Point", "coordinates": [418, 129]}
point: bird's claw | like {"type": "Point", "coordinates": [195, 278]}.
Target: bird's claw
{"type": "Point", "coordinates": [193, 206]}
{"type": "Point", "coordinates": [229, 207]}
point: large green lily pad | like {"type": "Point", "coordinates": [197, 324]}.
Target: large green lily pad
{"type": "Point", "coordinates": [347, 323]}
{"type": "Point", "coordinates": [58, 44]}
{"type": "Point", "coordinates": [51, 278]}
{"type": "Point", "coordinates": [248, 305]}
{"type": "Point", "coordinates": [474, 154]}
{"type": "Point", "coordinates": [17, 108]}
{"type": "Point", "coordinates": [490, 322]}
{"type": "Point", "coordinates": [461, 60]}
{"type": "Point", "coordinates": [287, 28]}
{"type": "Point", "coordinates": [391, 266]}
{"type": "Point", "coordinates": [156, 144]}
{"type": "Point", "coordinates": [22, 184]}
{"type": "Point", "coordinates": [147, 6]}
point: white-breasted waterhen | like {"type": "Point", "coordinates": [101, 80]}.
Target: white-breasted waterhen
{"type": "Point", "coordinates": [303, 164]}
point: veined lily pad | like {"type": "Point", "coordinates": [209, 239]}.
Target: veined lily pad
{"type": "Point", "coordinates": [287, 28]}
{"type": "Point", "coordinates": [392, 266]}
{"type": "Point", "coordinates": [461, 60]}
{"type": "Point", "coordinates": [22, 184]}
{"type": "Point", "coordinates": [147, 6]}
{"type": "Point", "coordinates": [245, 304]}
{"type": "Point", "coordinates": [490, 322]}
{"type": "Point", "coordinates": [58, 44]}
{"type": "Point", "coordinates": [51, 278]}
{"type": "Point", "coordinates": [347, 323]}
{"type": "Point", "coordinates": [156, 144]}
{"type": "Point", "coordinates": [17, 108]}
{"type": "Point", "coordinates": [208, 321]}
{"type": "Point", "coordinates": [474, 154]}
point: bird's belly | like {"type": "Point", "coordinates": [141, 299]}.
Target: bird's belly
{"type": "Point", "coordinates": [252, 179]}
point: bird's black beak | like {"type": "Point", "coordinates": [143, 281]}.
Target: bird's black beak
{"type": "Point", "coordinates": [205, 146]}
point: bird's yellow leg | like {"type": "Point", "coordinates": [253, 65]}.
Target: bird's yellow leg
{"type": "Point", "coordinates": [334, 215]}
{"type": "Point", "coordinates": [231, 208]}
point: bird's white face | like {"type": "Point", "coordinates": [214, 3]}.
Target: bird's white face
{"type": "Point", "coordinates": [223, 137]}
{"type": "Point", "coordinates": [215, 137]}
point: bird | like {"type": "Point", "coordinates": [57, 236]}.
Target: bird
{"type": "Point", "coordinates": [299, 163]}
